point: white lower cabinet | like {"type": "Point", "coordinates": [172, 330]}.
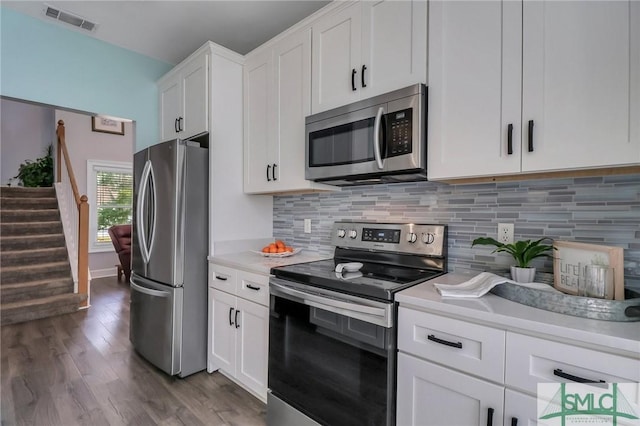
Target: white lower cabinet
{"type": "Point", "coordinates": [429, 394]}
{"type": "Point", "coordinates": [239, 328]}
{"type": "Point", "coordinates": [452, 371]}
{"type": "Point", "coordinates": [520, 409]}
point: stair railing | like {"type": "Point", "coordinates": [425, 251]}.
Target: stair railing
{"type": "Point", "coordinates": [75, 211]}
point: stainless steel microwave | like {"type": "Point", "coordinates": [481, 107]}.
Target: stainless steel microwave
{"type": "Point", "coordinates": [378, 140]}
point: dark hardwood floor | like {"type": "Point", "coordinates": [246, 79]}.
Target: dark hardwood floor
{"type": "Point", "coordinates": [80, 369]}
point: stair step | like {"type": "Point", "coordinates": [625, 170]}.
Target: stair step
{"type": "Point", "coordinates": [29, 242]}
{"type": "Point", "coordinates": [35, 203]}
{"type": "Point", "coordinates": [29, 257]}
{"type": "Point", "coordinates": [30, 228]}
{"type": "Point", "coordinates": [35, 289]}
{"type": "Point", "coordinates": [27, 310]}
{"type": "Point", "coordinates": [35, 215]}
{"type": "Point", "coordinates": [18, 274]}
{"type": "Point", "coordinates": [22, 192]}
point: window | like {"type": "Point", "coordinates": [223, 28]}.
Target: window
{"type": "Point", "coordinates": [110, 192]}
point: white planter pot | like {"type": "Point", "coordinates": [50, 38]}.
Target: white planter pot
{"type": "Point", "coordinates": [523, 275]}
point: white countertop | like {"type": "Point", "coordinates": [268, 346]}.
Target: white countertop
{"type": "Point", "coordinates": [258, 264]}
{"type": "Point", "coordinates": [617, 337]}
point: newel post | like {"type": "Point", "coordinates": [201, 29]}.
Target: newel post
{"type": "Point", "coordinates": [60, 133]}
{"type": "Point", "coordinates": [83, 249]}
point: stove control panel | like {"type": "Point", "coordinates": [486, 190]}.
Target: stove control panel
{"type": "Point", "coordinates": [407, 238]}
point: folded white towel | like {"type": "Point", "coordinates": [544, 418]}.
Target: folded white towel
{"type": "Point", "coordinates": [480, 285]}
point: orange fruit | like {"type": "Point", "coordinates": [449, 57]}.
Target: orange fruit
{"type": "Point", "coordinates": [280, 250]}
{"type": "Point", "coordinates": [265, 249]}
{"type": "Point", "coordinates": [289, 249]}
{"type": "Point", "coordinates": [273, 249]}
{"type": "Point", "coordinates": [279, 243]}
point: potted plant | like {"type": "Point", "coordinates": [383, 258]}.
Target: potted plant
{"type": "Point", "coordinates": [39, 172]}
{"type": "Point", "coordinates": [522, 251]}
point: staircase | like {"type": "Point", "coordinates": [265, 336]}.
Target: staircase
{"type": "Point", "coordinates": [35, 276]}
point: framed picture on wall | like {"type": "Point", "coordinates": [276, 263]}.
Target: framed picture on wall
{"type": "Point", "coordinates": [570, 257]}
{"type": "Point", "coordinates": [107, 125]}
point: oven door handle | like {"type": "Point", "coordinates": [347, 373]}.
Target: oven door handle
{"type": "Point", "coordinates": [348, 308]}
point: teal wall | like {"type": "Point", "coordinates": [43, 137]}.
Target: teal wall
{"type": "Point", "coordinates": [47, 63]}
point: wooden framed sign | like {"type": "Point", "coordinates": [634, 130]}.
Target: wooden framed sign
{"type": "Point", "coordinates": [569, 257]}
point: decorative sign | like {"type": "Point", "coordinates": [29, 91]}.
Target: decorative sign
{"type": "Point", "coordinates": [107, 125]}
{"type": "Point", "coordinates": [569, 257]}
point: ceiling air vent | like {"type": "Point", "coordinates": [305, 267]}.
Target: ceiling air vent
{"type": "Point", "coordinates": [69, 18]}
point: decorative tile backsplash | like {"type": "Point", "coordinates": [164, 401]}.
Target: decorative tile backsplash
{"type": "Point", "coordinates": [599, 210]}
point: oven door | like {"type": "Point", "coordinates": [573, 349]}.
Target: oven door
{"type": "Point", "coordinates": [331, 356]}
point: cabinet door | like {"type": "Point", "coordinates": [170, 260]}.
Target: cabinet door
{"type": "Point", "coordinates": [169, 93]}
{"type": "Point", "coordinates": [474, 88]}
{"type": "Point", "coordinates": [394, 45]}
{"type": "Point", "coordinates": [581, 84]}
{"type": "Point", "coordinates": [252, 346]}
{"type": "Point", "coordinates": [222, 331]}
{"type": "Point", "coordinates": [519, 406]}
{"type": "Point", "coordinates": [195, 102]}
{"type": "Point", "coordinates": [336, 59]}
{"type": "Point", "coordinates": [429, 394]}
{"type": "Point", "coordinates": [292, 72]}
{"type": "Point", "coordinates": [257, 119]}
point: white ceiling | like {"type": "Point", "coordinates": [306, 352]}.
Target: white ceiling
{"type": "Point", "coordinates": [171, 30]}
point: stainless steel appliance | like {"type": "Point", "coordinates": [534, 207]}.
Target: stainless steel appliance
{"type": "Point", "coordinates": [168, 323]}
{"type": "Point", "coordinates": [377, 140]}
{"type": "Point", "coordinates": [332, 335]}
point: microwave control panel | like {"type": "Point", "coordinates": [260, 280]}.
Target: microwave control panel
{"type": "Point", "coordinates": [399, 130]}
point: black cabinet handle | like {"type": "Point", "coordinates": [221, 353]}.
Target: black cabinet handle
{"type": "Point", "coordinates": [514, 421]}
{"type": "Point", "coordinates": [237, 323]}
{"type": "Point", "coordinates": [268, 168]}
{"type": "Point", "coordinates": [353, 79]}
{"type": "Point", "coordinates": [230, 313]}
{"type": "Point", "coordinates": [249, 286]}
{"type": "Point", "coordinates": [444, 342]}
{"type": "Point", "coordinates": [175, 125]}
{"type": "Point", "coordinates": [510, 139]}
{"type": "Point", "coordinates": [180, 128]}
{"type": "Point", "coordinates": [221, 278]}
{"type": "Point", "coordinates": [530, 135]}
{"type": "Point", "coordinates": [490, 416]}
{"type": "Point", "coordinates": [558, 372]}
{"type": "Point", "coordinates": [273, 172]}
{"type": "Point", "coordinates": [364, 67]}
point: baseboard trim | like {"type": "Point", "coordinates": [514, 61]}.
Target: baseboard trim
{"type": "Point", "coordinates": [101, 273]}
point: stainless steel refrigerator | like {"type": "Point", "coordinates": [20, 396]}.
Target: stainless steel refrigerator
{"type": "Point", "coordinates": [168, 323]}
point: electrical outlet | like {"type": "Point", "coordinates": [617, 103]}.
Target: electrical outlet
{"type": "Point", "coordinates": [505, 233]}
{"type": "Point", "coordinates": [307, 226]}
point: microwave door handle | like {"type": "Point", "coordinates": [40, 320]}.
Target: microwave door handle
{"type": "Point", "coordinates": [376, 138]}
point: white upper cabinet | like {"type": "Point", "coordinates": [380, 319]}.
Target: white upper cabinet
{"type": "Point", "coordinates": [367, 49]}
{"type": "Point", "coordinates": [581, 84]}
{"type": "Point", "coordinates": [184, 99]}
{"type": "Point", "coordinates": [277, 98]}
{"type": "Point", "coordinates": [471, 102]}
{"type": "Point", "coordinates": [336, 58]}
{"type": "Point", "coordinates": [565, 73]}
{"type": "Point", "coordinates": [258, 112]}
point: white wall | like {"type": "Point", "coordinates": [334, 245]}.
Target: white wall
{"type": "Point", "coordinates": [85, 144]}
{"type": "Point", "coordinates": [27, 130]}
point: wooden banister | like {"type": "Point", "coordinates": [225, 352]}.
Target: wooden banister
{"type": "Point", "coordinates": [83, 213]}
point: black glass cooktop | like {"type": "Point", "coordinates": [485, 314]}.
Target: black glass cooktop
{"type": "Point", "coordinates": [373, 280]}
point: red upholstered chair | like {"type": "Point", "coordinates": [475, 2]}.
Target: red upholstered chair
{"type": "Point", "coordinates": [121, 239]}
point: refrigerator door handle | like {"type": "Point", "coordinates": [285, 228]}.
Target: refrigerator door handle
{"type": "Point", "coordinates": [142, 195]}
{"type": "Point", "coordinates": [152, 229]}
{"type": "Point", "coordinates": [149, 291]}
